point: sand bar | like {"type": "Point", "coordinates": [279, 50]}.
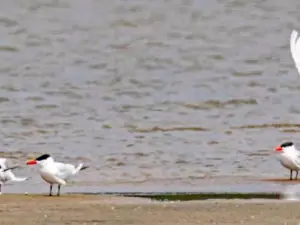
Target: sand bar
{"type": "Point", "coordinates": [115, 210]}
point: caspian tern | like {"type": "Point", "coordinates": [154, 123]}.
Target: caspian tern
{"type": "Point", "coordinates": [289, 157]}
{"type": "Point", "coordinates": [6, 175]}
{"type": "Point", "coordinates": [55, 172]}
{"type": "Point", "coordinates": [295, 49]}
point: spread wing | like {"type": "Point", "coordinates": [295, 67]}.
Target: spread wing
{"type": "Point", "coordinates": [295, 49]}
{"type": "Point", "coordinates": [4, 167]}
{"type": "Point", "coordinates": [6, 172]}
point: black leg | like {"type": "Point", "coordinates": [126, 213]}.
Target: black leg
{"type": "Point", "coordinates": [0, 188]}
{"type": "Point", "coordinates": [291, 175]}
{"type": "Point", "coordinates": [50, 193]}
{"type": "Point", "coordinates": [58, 190]}
{"type": "Point", "coordinates": [296, 175]}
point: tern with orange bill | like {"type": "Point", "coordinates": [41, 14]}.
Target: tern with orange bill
{"type": "Point", "coordinates": [289, 157]}
{"type": "Point", "coordinates": [55, 172]}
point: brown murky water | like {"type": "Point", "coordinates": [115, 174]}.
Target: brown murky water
{"type": "Point", "coordinates": [149, 93]}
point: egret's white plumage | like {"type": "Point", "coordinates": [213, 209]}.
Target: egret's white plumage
{"type": "Point", "coordinates": [6, 174]}
{"type": "Point", "coordinates": [295, 49]}
{"type": "Point", "coordinates": [55, 172]}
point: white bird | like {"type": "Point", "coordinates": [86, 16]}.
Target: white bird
{"type": "Point", "coordinates": [295, 49]}
{"type": "Point", "coordinates": [289, 157]}
{"type": "Point", "coordinates": [55, 172]}
{"type": "Point", "coordinates": [6, 175]}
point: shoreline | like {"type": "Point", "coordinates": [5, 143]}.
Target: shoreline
{"type": "Point", "coordinates": [214, 184]}
{"type": "Point", "coordinates": [189, 196]}
{"type": "Point", "coordinates": [166, 196]}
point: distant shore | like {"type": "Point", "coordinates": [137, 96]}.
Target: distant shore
{"type": "Point", "coordinates": [115, 210]}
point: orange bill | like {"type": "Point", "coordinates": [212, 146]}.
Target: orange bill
{"type": "Point", "coordinates": [31, 162]}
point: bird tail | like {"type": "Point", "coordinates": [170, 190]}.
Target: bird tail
{"type": "Point", "coordinates": [80, 167]}
{"type": "Point", "coordinates": [19, 179]}
{"type": "Point", "coordinates": [84, 167]}
{"type": "Point", "coordinates": [14, 178]}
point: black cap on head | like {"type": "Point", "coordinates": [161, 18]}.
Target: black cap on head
{"type": "Point", "coordinates": [286, 144]}
{"type": "Point", "coordinates": [42, 157]}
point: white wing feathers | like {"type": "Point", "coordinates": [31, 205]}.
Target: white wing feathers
{"type": "Point", "coordinates": [6, 174]}
{"type": "Point", "coordinates": [295, 49]}
{"type": "Point", "coordinates": [65, 171]}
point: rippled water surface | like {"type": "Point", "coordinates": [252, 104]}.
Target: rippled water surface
{"type": "Point", "coordinates": [150, 93]}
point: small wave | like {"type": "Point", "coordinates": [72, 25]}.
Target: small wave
{"type": "Point", "coordinates": [7, 121]}
{"type": "Point", "coordinates": [27, 121]}
{"type": "Point", "coordinates": [8, 48]}
{"type": "Point", "coordinates": [8, 22]}
{"type": "Point", "coordinates": [4, 99]}
{"type": "Point", "coordinates": [123, 23]}
{"type": "Point", "coordinates": [213, 143]}
{"type": "Point", "coordinates": [46, 106]}
{"type": "Point", "coordinates": [35, 98]}
{"type": "Point", "coordinates": [181, 161]}
{"type": "Point", "coordinates": [272, 125]}
{"type": "Point", "coordinates": [162, 129]}
{"type": "Point", "coordinates": [260, 153]}
{"type": "Point", "coordinates": [291, 131]}
{"type": "Point", "coordinates": [211, 104]}
{"type": "Point", "coordinates": [250, 73]}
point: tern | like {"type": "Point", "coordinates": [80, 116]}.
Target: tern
{"type": "Point", "coordinates": [289, 157]}
{"type": "Point", "coordinates": [6, 174]}
{"type": "Point", "coordinates": [55, 172]}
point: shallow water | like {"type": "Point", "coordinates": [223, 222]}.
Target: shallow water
{"type": "Point", "coordinates": [149, 93]}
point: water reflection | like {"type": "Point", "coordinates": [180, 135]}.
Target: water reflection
{"type": "Point", "coordinates": [291, 192]}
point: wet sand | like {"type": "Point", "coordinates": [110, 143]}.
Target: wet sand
{"type": "Point", "coordinates": [114, 210]}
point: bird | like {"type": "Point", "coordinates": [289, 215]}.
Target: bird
{"type": "Point", "coordinates": [55, 172]}
{"type": "Point", "coordinates": [289, 157]}
{"type": "Point", "coordinates": [6, 174]}
{"type": "Point", "coordinates": [295, 49]}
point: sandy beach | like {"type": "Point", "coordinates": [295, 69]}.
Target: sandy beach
{"type": "Point", "coordinates": [115, 210]}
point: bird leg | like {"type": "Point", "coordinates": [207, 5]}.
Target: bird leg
{"type": "Point", "coordinates": [0, 189]}
{"type": "Point", "coordinates": [50, 193]}
{"type": "Point", "coordinates": [296, 175]}
{"type": "Point", "coordinates": [291, 175]}
{"type": "Point", "coordinates": [58, 190]}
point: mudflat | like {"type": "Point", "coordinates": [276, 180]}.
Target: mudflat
{"type": "Point", "coordinates": [115, 210]}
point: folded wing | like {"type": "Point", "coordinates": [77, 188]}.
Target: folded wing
{"type": "Point", "coordinates": [65, 171]}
